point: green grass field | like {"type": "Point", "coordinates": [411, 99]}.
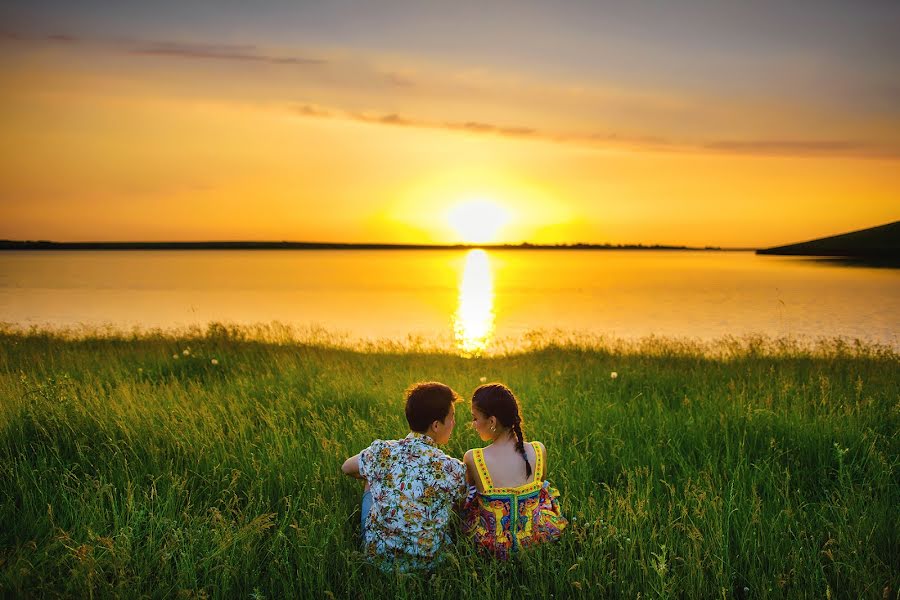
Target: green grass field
{"type": "Point", "coordinates": [760, 470]}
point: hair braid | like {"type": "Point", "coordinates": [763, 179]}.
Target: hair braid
{"type": "Point", "coordinates": [520, 445]}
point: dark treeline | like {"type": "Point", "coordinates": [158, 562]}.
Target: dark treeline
{"type": "Point", "coordinates": [49, 245]}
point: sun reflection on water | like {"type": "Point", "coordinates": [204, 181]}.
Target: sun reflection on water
{"type": "Point", "coordinates": [473, 322]}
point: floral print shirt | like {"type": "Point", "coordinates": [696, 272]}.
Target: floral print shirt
{"type": "Point", "coordinates": [414, 486]}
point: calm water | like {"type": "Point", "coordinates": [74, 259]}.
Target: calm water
{"type": "Point", "coordinates": [469, 299]}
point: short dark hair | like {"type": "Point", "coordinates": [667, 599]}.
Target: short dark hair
{"type": "Point", "coordinates": [428, 402]}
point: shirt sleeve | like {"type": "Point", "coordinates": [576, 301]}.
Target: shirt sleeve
{"type": "Point", "coordinates": [456, 470]}
{"type": "Point", "coordinates": [369, 460]}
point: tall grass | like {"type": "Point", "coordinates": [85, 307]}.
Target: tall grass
{"type": "Point", "coordinates": [756, 470]}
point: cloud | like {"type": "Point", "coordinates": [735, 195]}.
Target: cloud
{"type": "Point", "coordinates": [398, 80]}
{"type": "Point", "coordinates": [61, 37]}
{"type": "Point", "coordinates": [238, 53]}
{"type": "Point", "coordinates": [759, 147]}
{"type": "Point", "coordinates": [341, 81]}
{"type": "Point", "coordinates": [795, 147]}
{"type": "Point", "coordinates": [404, 121]}
{"type": "Point", "coordinates": [312, 111]}
{"type": "Point", "coordinates": [381, 119]}
{"type": "Point", "coordinates": [480, 127]}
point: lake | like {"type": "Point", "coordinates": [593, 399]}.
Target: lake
{"type": "Point", "coordinates": [472, 300]}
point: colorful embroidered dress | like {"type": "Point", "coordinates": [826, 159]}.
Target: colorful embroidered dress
{"type": "Point", "coordinates": [414, 486]}
{"type": "Point", "coordinates": [505, 520]}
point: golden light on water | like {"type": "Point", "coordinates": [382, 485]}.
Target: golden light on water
{"type": "Point", "coordinates": [473, 322]}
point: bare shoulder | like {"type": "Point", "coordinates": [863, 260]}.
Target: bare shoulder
{"type": "Point", "coordinates": [543, 451]}
{"type": "Point", "coordinates": [469, 462]}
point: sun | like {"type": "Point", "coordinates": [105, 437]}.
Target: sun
{"type": "Point", "coordinates": [477, 221]}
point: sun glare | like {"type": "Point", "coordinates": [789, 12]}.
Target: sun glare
{"type": "Point", "coordinates": [477, 221]}
{"type": "Point", "coordinates": [473, 323]}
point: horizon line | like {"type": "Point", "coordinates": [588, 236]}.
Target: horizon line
{"type": "Point", "coordinates": [7, 244]}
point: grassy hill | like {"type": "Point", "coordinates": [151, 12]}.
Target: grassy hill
{"type": "Point", "coordinates": [876, 242]}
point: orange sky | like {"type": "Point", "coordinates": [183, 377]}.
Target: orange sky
{"type": "Point", "coordinates": [126, 137]}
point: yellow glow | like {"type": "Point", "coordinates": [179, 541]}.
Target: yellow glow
{"type": "Point", "coordinates": [477, 221]}
{"type": "Point", "coordinates": [473, 322]}
{"type": "Point", "coordinates": [217, 164]}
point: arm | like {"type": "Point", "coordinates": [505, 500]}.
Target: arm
{"type": "Point", "coordinates": [469, 461]}
{"type": "Point", "coordinates": [469, 464]}
{"type": "Point", "coordinates": [544, 453]}
{"type": "Point", "coordinates": [351, 467]}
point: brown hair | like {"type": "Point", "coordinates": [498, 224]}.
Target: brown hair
{"type": "Point", "coordinates": [427, 402]}
{"type": "Point", "coordinates": [497, 400]}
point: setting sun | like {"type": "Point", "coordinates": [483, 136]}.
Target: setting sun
{"type": "Point", "coordinates": [477, 221]}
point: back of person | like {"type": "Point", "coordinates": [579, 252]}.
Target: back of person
{"type": "Point", "coordinates": [510, 505]}
{"type": "Point", "coordinates": [414, 486]}
{"type": "Point", "coordinates": [411, 485]}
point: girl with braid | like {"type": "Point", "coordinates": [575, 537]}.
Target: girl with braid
{"type": "Point", "coordinates": [510, 504]}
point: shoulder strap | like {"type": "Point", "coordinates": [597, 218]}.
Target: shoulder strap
{"type": "Point", "coordinates": [538, 460]}
{"type": "Point", "coordinates": [481, 467]}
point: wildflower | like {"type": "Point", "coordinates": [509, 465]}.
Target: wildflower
{"type": "Point", "coordinates": [483, 379]}
{"type": "Point", "coordinates": [613, 375]}
{"type": "Point", "coordinates": [175, 356]}
{"type": "Point", "coordinates": [186, 352]}
{"type": "Point", "coordinates": [214, 361]}
{"type": "Point", "coordinates": [558, 373]}
{"type": "Point", "coordinates": [140, 369]}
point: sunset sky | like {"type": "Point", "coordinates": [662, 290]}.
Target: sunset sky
{"type": "Point", "coordinates": [736, 124]}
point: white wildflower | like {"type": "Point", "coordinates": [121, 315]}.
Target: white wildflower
{"type": "Point", "coordinates": [613, 375]}
{"type": "Point", "coordinates": [214, 361]}
{"type": "Point", "coordinates": [483, 379]}
{"type": "Point", "coordinates": [186, 352]}
{"type": "Point", "coordinates": [175, 356]}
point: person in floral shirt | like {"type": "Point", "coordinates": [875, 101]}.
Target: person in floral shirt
{"type": "Point", "coordinates": [411, 485]}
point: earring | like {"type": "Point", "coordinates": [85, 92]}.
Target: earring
{"type": "Point", "coordinates": [493, 427]}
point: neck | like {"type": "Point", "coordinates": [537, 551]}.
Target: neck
{"type": "Point", "coordinates": [505, 437]}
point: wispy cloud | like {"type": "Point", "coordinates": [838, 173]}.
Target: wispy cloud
{"type": "Point", "coordinates": [233, 53]}
{"type": "Point", "coordinates": [60, 37]}
{"type": "Point", "coordinates": [312, 111]}
{"type": "Point", "coordinates": [797, 147]}
{"type": "Point", "coordinates": [405, 121]}
{"type": "Point", "coordinates": [238, 53]}
{"type": "Point", "coordinates": [755, 147]}
{"type": "Point", "coordinates": [359, 79]}
{"type": "Point", "coordinates": [398, 80]}
{"type": "Point", "coordinates": [511, 131]}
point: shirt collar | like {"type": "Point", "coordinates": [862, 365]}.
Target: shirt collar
{"type": "Point", "coordinates": [423, 437]}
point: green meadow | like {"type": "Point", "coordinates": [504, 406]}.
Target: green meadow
{"type": "Point", "coordinates": [133, 466]}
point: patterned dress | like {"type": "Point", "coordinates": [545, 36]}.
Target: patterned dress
{"type": "Point", "coordinates": [414, 486]}
{"type": "Point", "coordinates": [504, 520]}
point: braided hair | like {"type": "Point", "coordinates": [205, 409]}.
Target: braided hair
{"type": "Point", "coordinates": [497, 400]}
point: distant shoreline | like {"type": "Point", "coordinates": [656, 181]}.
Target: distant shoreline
{"type": "Point", "coordinates": [48, 245]}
